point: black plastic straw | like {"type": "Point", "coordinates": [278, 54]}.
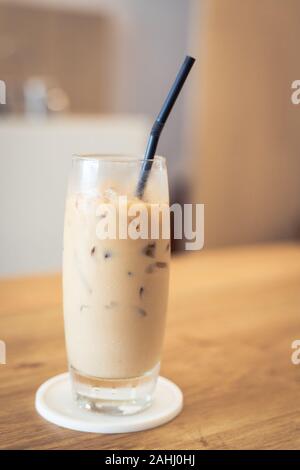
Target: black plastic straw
{"type": "Point", "coordinates": [160, 122]}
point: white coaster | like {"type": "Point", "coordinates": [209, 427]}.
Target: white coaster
{"type": "Point", "coordinates": [55, 403]}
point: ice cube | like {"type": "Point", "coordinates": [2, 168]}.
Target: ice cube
{"type": "Point", "coordinates": [110, 195]}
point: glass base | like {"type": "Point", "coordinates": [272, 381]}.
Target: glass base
{"type": "Point", "coordinates": [114, 396]}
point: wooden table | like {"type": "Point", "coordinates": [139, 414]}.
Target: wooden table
{"type": "Point", "coordinates": [233, 315]}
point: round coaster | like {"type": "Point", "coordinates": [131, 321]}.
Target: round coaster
{"type": "Point", "coordinates": [55, 403]}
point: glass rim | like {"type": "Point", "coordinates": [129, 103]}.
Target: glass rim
{"type": "Point", "coordinates": [114, 158]}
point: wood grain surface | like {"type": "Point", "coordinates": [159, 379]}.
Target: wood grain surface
{"type": "Point", "coordinates": [233, 315]}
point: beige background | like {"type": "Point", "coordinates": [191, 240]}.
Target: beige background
{"type": "Point", "coordinates": [241, 129]}
{"type": "Point", "coordinates": [246, 132]}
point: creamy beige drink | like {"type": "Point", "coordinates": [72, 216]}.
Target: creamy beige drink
{"type": "Point", "coordinates": [115, 294]}
{"type": "Point", "coordinates": [115, 287]}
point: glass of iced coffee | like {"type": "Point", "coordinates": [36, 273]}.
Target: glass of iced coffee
{"type": "Point", "coordinates": [115, 281]}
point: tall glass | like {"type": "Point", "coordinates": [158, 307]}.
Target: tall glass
{"type": "Point", "coordinates": [115, 289]}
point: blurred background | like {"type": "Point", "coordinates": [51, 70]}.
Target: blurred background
{"type": "Point", "coordinates": [91, 75]}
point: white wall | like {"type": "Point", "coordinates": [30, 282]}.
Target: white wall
{"type": "Point", "coordinates": [35, 158]}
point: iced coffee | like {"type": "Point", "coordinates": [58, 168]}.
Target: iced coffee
{"type": "Point", "coordinates": [115, 288]}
